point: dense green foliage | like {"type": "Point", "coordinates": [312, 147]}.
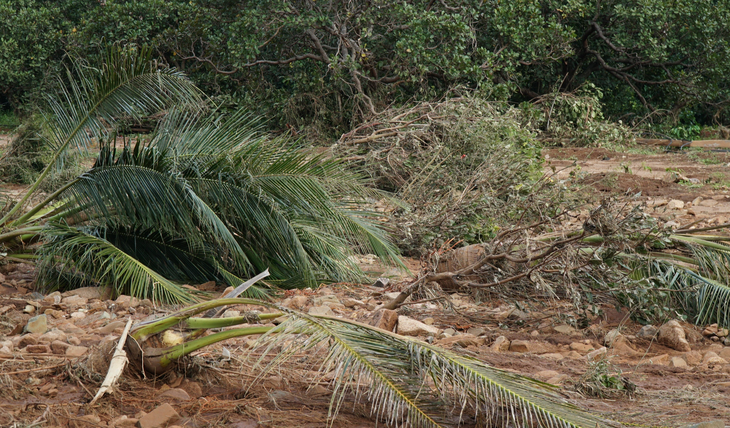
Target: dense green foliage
{"type": "Point", "coordinates": [324, 65]}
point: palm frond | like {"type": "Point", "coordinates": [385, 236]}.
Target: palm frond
{"type": "Point", "coordinates": [127, 85]}
{"type": "Point", "coordinates": [413, 384]}
{"type": "Point", "coordinates": [74, 250]}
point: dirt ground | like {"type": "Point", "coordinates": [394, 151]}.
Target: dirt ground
{"type": "Point", "coordinates": [43, 387]}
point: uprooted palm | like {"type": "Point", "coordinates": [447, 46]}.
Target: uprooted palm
{"type": "Point", "coordinates": [204, 197]}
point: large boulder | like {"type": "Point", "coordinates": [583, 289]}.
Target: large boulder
{"type": "Point", "coordinates": [672, 335]}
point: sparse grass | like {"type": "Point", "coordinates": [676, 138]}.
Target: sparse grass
{"type": "Point", "coordinates": [704, 157]}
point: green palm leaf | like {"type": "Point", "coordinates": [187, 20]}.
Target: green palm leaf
{"type": "Point", "coordinates": [411, 383]}
{"type": "Point", "coordinates": [73, 250]}
{"type": "Point", "coordinates": [128, 85]}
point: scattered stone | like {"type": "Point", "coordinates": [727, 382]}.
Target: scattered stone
{"type": "Point", "coordinates": [28, 339]}
{"type": "Point", "coordinates": [611, 337]}
{"type": "Point", "coordinates": [353, 303]}
{"type": "Point", "coordinates": [385, 319]}
{"type": "Point", "coordinates": [381, 282]}
{"type": "Point", "coordinates": [74, 301]}
{"type": "Point", "coordinates": [553, 356]}
{"type": "Point", "coordinates": [53, 298]}
{"type": "Point", "coordinates": [564, 329]}
{"type": "Point", "coordinates": [109, 328]}
{"type": "Point", "coordinates": [6, 350]}
{"type": "Point", "coordinates": [557, 380]}
{"type": "Point", "coordinates": [582, 348]}
{"type": "Point", "coordinates": [500, 344]}
{"type": "Point", "coordinates": [711, 358]}
{"type": "Point", "coordinates": [672, 335]}
{"type": "Point", "coordinates": [78, 315]}
{"type": "Point", "coordinates": [38, 349]}
{"type": "Point", "coordinates": [661, 360]}
{"type": "Point", "coordinates": [462, 340]}
{"type": "Point", "coordinates": [647, 332]}
{"type": "Point", "coordinates": [321, 311]}
{"type": "Point", "coordinates": [476, 331]}
{"type": "Point", "coordinates": [160, 417]}
{"type": "Point", "coordinates": [675, 204]}
{"type": "Point", "coordinates": [76, 351]}
{"type": "Point", "coordinates": [409, 327]}
{"type": "Point", "coordinates": [298, 302]}
{"type": "Point", "coordinates": [58, 347]}
{"type": "Point", "coordinates": [52, 335]}
{"type": "Point", "coordinates": [544, 375]}
{"type": "Point", "coordinates": [174, 394]}
{"type": "Point", "coordinates": [597, 354]}
{"type": "Point", "coordinates": [326, 300]}
{"type": "Point", "coordinates": [122, 421]}
{"type": "Point", "coordinates": [693, 358]}
{"type": "Point", "coordinates": [192, 388]}
{"type": "Point", "coordinates": [91, 419]}
{"type": "Point", "coordinates": [677, 362]}
{"type": "Point", "coordinates": [29, 309]}
{"type": "Point", "coordinates": [38, 324]}
{"type": "Point", "coordinates": [101, 293]}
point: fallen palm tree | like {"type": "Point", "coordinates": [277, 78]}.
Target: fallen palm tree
{"type": "Point", "coordinates": [406, 381]}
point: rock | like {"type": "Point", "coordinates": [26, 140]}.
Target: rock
{"type": "Point", "coordinates": [675, 204]}
{"type": "Point", "coordinates": [409, 327]}
{"type": "Point", "coordinates": [672, 335]}
{"type": "Point", "coordinates": [476, 331]}
{"type": "Point", "coordinates": [325, 300]}
{"type": "Point", "coordinates": [711, 358]}
{"type": "Point", "coordinates": [381, 282]}
{"type": "Point", "coordinates": [109, 328]}
{"type": "Point", "coordinates": [557, 380]}
{"type": "Point", "coordinates": [611, 336]}
{"type": "Point", "coordinates": [647, 332]}
{"type": "Point", "coordinates": [385, 319]}
{"type": "Point", "coordinates": [661, 360]}
{"type": "Point", "coordinates": [723, 332]}
{"type": "Point", "coordinates": [52, 335]}
{"type": "Point", "coordinates": [53, 298]}
{"type": "Point", "coordinates": [500, 344]}
{"type": "Point", "coordinates": [101, 293]}
{"type": "Point", "coordinates": [553, 356]}
{"type": "Point", "coordinates": [564, 329]}
{"type": "Point", "coordinates": [298, 302]}
{"type": "Point", "coordinates": [622, 346]}
{"type": "Point", "coordinates": [76, 351]}
{"type": "Point", "coordinates": [174, 394]}
{"type": "Point", "coordinates": [123, 421]}
{"type": "Point", "coordinates": [78, 315]}
{"type": "Point", "coordinates": [321, 311]}
{"type": "Point", "coordinates": [74, 301]}
{"type": "Point", "coordinates": [192, 388]}
{"type": "Point", "coordinates": [38, 324]}
{"type": "Point", "coordinates": [127, 302]}
{"type": "Point", "coordinates": [28, 339]}
{"type": "Point", "coordinates": [6, 351]}
{"type": "Point", "coordinates": [544, 375]}
{"type": "Point", "coordinates": [724, 353]}
{"type": "Point", "coordinates": [449, 332]}
{"type": "Point", "coordinates": [583, 348]}
{"type": "Point", "coordinates": [90, 419]}
{"type": "Point", "coordinates": [58, 347]}
{"type": "Point", "coordinates": [597, 354]}
{"type": "Point", "coordinates": [693, 358]}
{"type": "Point", "coordinates": [521, 346]}
{"type": "Point", "coordinates": [462, 340]}
{"type": "Point", "coordinates": [353, 303]}
{"type": "Point", "coordinates": [160, 417]}
{"type": "Point", "coordinates": [710, 330]}
{"type": "Point", "coordinates": [677, 362]}
{"type": "Point", "coordinates": [29, 309]}
{"type": "Point", "coordinates": [41, 349]}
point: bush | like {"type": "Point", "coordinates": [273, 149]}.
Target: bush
{"type": "Point", "coordinates": [463, 166]}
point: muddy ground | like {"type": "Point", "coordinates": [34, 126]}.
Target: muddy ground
{"type": "Point", "coordinates": [47, 383]}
